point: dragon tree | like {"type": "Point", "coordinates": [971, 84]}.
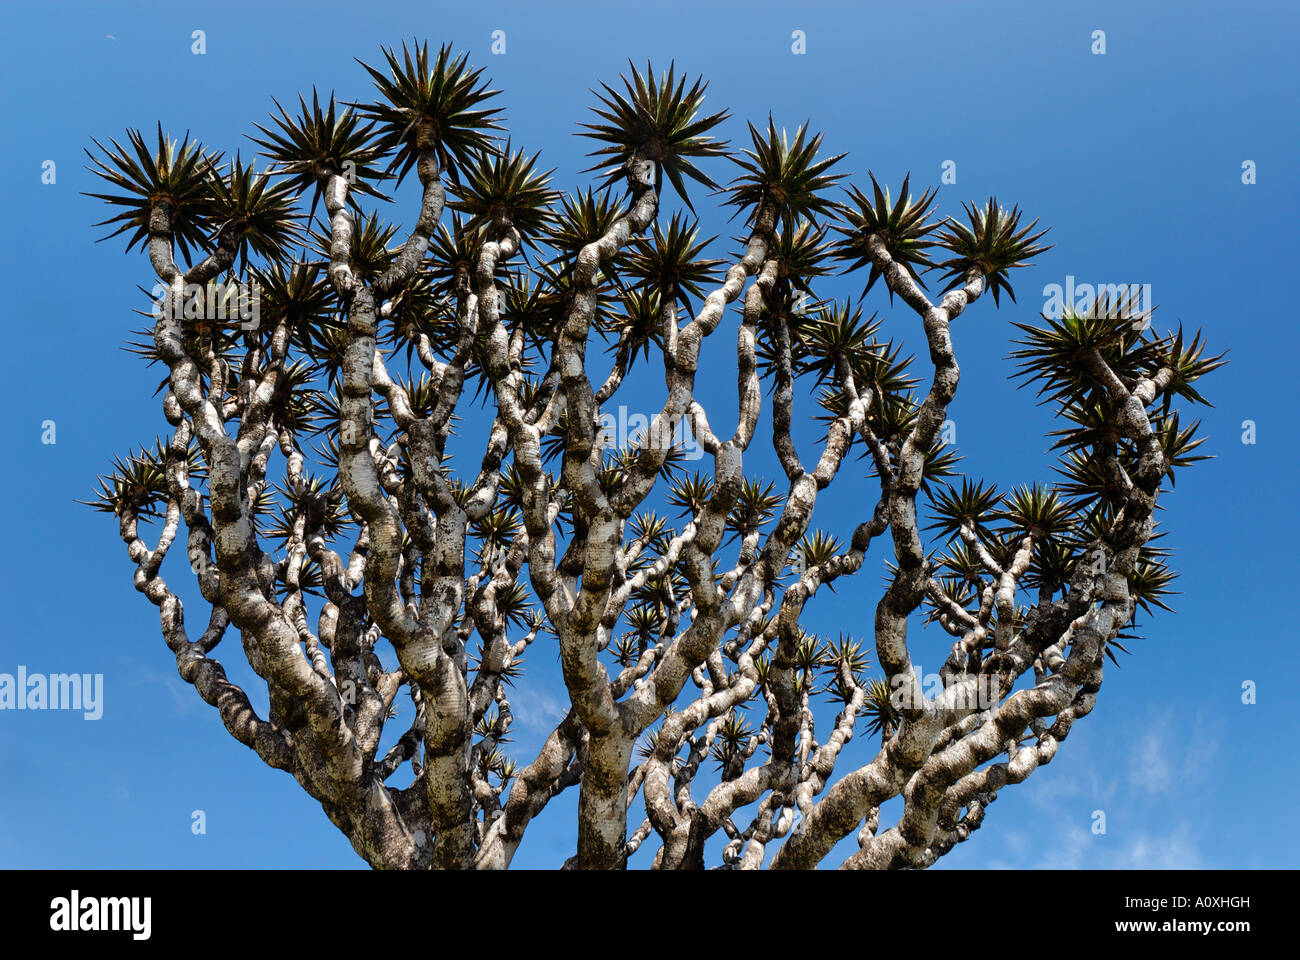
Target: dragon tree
{"type": "Point", "coordinates": [321, 361]}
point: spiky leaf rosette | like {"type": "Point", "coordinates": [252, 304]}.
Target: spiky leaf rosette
{"type": "Point", "coordinates": [329, 347]}
{"type": "Point", "coordinates": [940, 461]}
{"type": "Point", "coordinates": [536, 310]}
{"type": "Point", "coordinates": [729, 747]}
{"type": "Point", "coordinates": [835, 334]}
{"type": "Point", "coordinates": [645, 622]}
{"type": "Point", "coordinates": [321, 143]}
{"type": "Point", "coordinates": [993, 243]}
{"type": "Point", "coordinates": [879, 709]}
{"type": "Point", "coordinates": [138, 482]}
{"type": "Point", "coordinates": [453, 257]}
{"type": "Point", "coordinates": [498, 528]}
{"type": "Point", "coordinates": [800, 250]}
{"type": "Point", "coordinates": [963, 563]}
{"type": "Point", "coordinates": [315, 501]}
{"type": "Point", "coordinates": [755, 506]}
{"type": "Point", "coordinates": [626, 650]}
{"type": "Point", "coordinates": [542, 306]}
{"type": "Point", "coordinates": [845, 655]}
{"type": "Point", "coordinates": [258, 214]}
{"type": "Point", "coordinates": [639, 324]}
{"type": "Point", "coordinates": [374, 245]}
{"type": "Point", "coordinates": [1188, 363]}
{"type": "Point", "coordinates": [416, 310]}
{"type": "Point", "coordinates": [1037, 511]}
{"type": "Point", "coordinates": [650, 742]}
{"type": "Point", "coordinates": [292, 398]}
{"type": "Point", "coordinates": [1052, 567]}
{"type": "Point", "coordinates": [973, 504]}
{"type": "Point", "coordinates": [1149, 583]}
{"type": "Point", "coordinates": [583, 218]}
{"type": "Point", "coordinates": [883, 370]}
{"type": "Point", "coordinates": [1061, 356]}
{"type": "Point", "coordinates": [807, 654]}
{"type": "Point", "coordinates": [892, 419]}
{"type": "Point", "coordinates": [621, 460]}
{"type": "Point", "coordinates": [199, 335]}
{"type": "Point", "coordinates": [669, 260]}
{"type": "Point", "coordinates": [179, 175]}
{"type": "Point", "coordinates": [441, 100]}
{"type": "Point", "coordinates": [958, 589]}
{"type": "Point", "coordinates": [1095, 424]}
{"type": "Point", "coordinates": [655, 120]}
{"type": "Point", "coordinates": [1177, 445]}
{"type": "Point", "coordinates": [786, 173]}
{"type": "Point", "coordinates": [890, 414]}
{"type": "Point", "coordinates": [497, 188]}
{"type": "Point", "coordinates": [901, 226]}
{"type": "Point", "coordinates": [691, 493]}
{"type": "Point", "coordinates": [814, 549]}
{"type": "Point", "coordinates": [1002, 545]}
{"type": "Point", "coordinates": [493, 724]}
{"type": "Point", "coordinates": [1087, 479]}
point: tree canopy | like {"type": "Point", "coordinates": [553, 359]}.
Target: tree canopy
{"type": "Point", "coordinates": [318, 360]}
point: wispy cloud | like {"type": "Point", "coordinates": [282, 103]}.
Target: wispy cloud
{"type": "Point", "coordinates": [536, 714]}
{"type": "Point", "coordinates": [184, 699]}
{"type": "Point", "coordinates": [1072, 851]}
{"type": "Point", "coordinates": [1175, 752]}
{"type": "Point", "coordinates": [1175, 850]}
{"type": "Point", "coordinates": [1076, 847]}
{"type": "Point", "coordinates": [1128, 780]}
{"type": "Point", "coordinates": [1150, 767]}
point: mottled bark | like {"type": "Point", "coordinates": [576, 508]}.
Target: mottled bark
{"type": "Point", "coordinates": [697, 627]}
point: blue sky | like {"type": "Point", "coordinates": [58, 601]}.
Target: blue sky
{"type": "Point", "coordinates": [1134, 158]}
